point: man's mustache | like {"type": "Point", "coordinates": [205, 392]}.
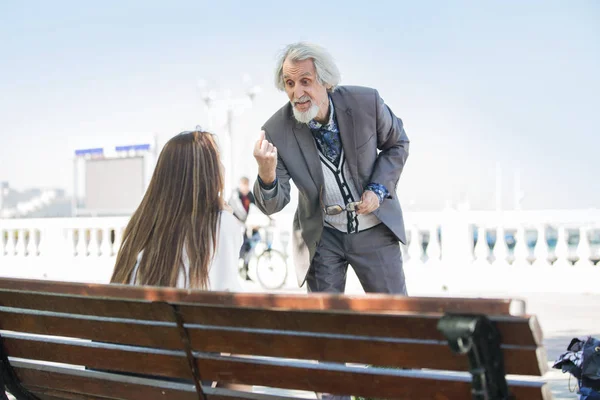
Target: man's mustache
{"type": "Point", "coordinates": [302, 100]}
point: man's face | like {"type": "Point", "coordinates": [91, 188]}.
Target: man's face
{"type": "Point", "coordinates": [308, 97]}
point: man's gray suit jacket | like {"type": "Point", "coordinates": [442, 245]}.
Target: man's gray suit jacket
{"type": "Point", "coordinates": [376, 148]}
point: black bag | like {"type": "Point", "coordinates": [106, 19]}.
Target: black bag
{"type": "Point", "coordinates": [582, 360]}
{"type": "Point", "coordinates": [589, 384]}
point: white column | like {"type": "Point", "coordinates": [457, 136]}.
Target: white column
{"type": "Point", "coordinates": [561, 251]}
{"type": "Point", "coordinates": [71, 242]}
{"type": "Point", "coordinates": [31, 248]}
{"type": "Point", "coordinates": [482, 249]}
{"type": "Point", "coordinates": [41, 241]}
{"type": "Point", "coordinates": [3, 241]}
{"type": "Point", "coordinates": [414, 247]}
{"type": "Point", "coordinates": [540, 251]}
{"type": "Point", "coordinates": [433, 248]}
{"type": "Point", "coordinates": [81, 246]}
{"type": "Point", "coordinates": [583, 249]}
{"type": "Point", "coordinates": [403, 250]}
{"type": "Point", "coordinates": [12, 241]}
{"type": "Point", "coordinates": [22, 243]}
{"type": "Point", "coordinates": [500, 249]}
{"type": "Point", "coordinates": [521, 251]}
{"type": "Point", "coordinates": [105, 245]}
{"type": "Point", "coordinates": [118, 238]}
{"type": "Point", "coordinates": [94, 243]}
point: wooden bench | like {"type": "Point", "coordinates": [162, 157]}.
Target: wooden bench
{"type": "Point", "coordinates": [272, 340]}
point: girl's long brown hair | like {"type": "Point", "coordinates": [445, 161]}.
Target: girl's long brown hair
{"type": "Point", "coordinates": [181, 207]}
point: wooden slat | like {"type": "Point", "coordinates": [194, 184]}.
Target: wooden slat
{"type": "Point", "coordinates": [212, 394]}
{"type": "Point", "coordinates": [518, 361]}
{"type": "Point", "coordinates": [43, 396]}
{"type": "Point", "coordinates": [64, 382]}
{"type": "Point", "coordinates": [522, 331]}
{"type": "Point", "coordinates": [122, 332]}
{"type": "Point", "coordinates": [367, 382]}
{"type": "Point", "coordinates": [100, 356]}
{"type": "Point", "coordinates": [125, 388]}
{"type": "Point", "coordinates": [49, 394]}
{"type": "Point", "coordinates": [392, 353]}
{"type": "Point", "coordinates": [331, 379]}
{"type": "Point", "coordinates": [294, 344]}
{"type": "Point", "coordinates": [83, 305]}
{"type": "Point", "coordinates": [320, 301]}
{"type": "Point", "coordinates": [514, 330]}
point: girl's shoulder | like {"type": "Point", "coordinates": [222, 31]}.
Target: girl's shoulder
{"type": "Point", "coordinates": [229, 221]}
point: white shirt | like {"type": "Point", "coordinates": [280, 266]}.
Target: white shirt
{"type": "Point", "coordinates": [223, 271]}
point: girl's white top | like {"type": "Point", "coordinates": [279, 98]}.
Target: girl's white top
{"type": "Point", "coordinates": [223, 270]}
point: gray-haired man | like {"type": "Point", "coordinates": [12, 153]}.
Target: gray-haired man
{"type": "Point", "coordinates": [326, 139]}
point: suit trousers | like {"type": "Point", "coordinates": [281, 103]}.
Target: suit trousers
{"type": "Point", "coordinates": [374, 254]}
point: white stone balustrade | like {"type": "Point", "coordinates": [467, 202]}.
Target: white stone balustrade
{"type": "Point", "coordinates": [84, 249]}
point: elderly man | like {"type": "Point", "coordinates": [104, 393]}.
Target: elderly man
{"type": "Point", "coordinates": [326, 139]}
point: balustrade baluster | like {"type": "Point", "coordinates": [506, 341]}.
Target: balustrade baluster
{"type": "Point", "coordinates": [434, 249]}
{"type": "Point", "coordinates": [521, 251]}
{"type": "Point", "coordinates": [94, 242]}
{"type": "Point", "coordinates": [415, 249]}
{"type": "Point", "coordinates": [482, 250]}
{"type": "Point", "coordinates": [105, 244]}
{"type": "Point", "coordinates": [561, 251]}
{"type": "Point", "coordinates": [3, 242]}
{"type": "Point", "coordinates": [583, 249]}
{"type": "Point", "coordinates": [500, 249]}
{"type": "Point", "coordinates": [22, 243]}
{"type": "Point", "coordinates": [81, 246]}
{"type": "Point", "coordinates": [540, 251]}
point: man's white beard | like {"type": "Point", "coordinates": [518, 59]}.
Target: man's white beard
{"type": "Point", "coordinates": [308, 115]}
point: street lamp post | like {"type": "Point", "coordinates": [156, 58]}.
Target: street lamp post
{"type": "Point", "coordinates": [219, 104]}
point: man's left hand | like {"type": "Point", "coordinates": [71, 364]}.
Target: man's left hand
{"type": "Point", "coordinates": [370, 203]}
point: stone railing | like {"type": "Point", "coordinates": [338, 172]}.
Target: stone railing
{"type": "Point", "coordinates": [445, 249]}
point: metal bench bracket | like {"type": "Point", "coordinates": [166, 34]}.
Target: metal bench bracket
{"type": "Point", "coordinates": [477, 337]}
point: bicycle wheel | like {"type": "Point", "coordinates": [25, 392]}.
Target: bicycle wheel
{"type": "Point", "coordinates": [271, 269]}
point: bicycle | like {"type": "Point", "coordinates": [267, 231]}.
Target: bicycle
{"type": "Point", "coordinates": [270, 264]}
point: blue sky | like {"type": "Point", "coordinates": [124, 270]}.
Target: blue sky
{"type": "Point", "coordinates": [476, 84]}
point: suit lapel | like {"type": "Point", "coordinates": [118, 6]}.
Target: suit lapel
{"type": "Point", "coordinates": [345, 122]}
{"type": "Point", "coordinates": [308, 149]}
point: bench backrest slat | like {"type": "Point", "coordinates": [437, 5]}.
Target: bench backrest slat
{"type": "Point", "coordinates": [284, 301]}
{"type": "Point", "coordinates": [348, 380]}
{"type": "Point", "coordinates": [291, 334]}
{"type": "Point", "coordinates": [335, 321]}
{"type": "Point", "coordinates": [401, 354]}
